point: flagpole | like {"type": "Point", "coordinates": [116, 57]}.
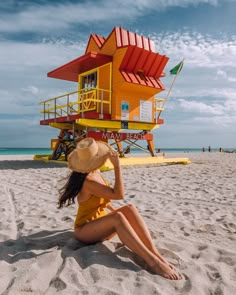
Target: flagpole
{"type": "Point", "coordinates": [171, 86]}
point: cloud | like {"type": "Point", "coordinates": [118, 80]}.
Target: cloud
{"type": "Point", "coordinates": [226, 107]}
{"type": "Point", "coordinates": [49, 52]}
{"type": "Point", "coordinates": [41, 18]}
{"type": "Point", "coordinates": [217, 121]}
{"type": "Point", "coordinates": [28, 68]}
{"type": "Point", "coordinates": [224, 75]}
{"type": "Point", "coordinates": [31, 89]}
{"type": "Point", "coordinates": [199, 51]}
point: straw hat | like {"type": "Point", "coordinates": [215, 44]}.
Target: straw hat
{"type": "Point", "coordinates": [88, 155]}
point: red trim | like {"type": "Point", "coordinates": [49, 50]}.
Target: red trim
{"type": "Point", "coordinates": [86, 116]}
{"type": "Point", "coordinates": [69, 119]}
{"type": "Point", "coordinates": [139, 42]}
{"type": "Point", "coordinates": [154, 82]}
{"type": "Point", "coordinates": [127, 38]}
{"type": "Point", "coordinates": [162, 65]}
{"type": "Point", "coordinates": [138, 59]}
{"type": "Point", "coordinates": [127, 57]}
{"type": "Point", "coordinates": [99, 40]}
{"type": "Point", "coordinates": [126, 76]}
{"type": "Point", "coordinates": [134, 58]}
{"type": "Point", "coordinates": [143, 58]}
{"type": "Point", "coordinates": [86, 62]}
{"type": "Point", "coordinates": [124, 37]}
{"type": "Point", "coordinates": [149, 62]}
{"type": "Point", "coordinates": [149, 81]}
{"type": "Point", "coordinates": [132, 38]}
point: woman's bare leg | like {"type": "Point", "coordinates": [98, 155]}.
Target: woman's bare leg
{"type": "Point", "coordinates": [101, 228]}
{"type": "Point", "coordinates": [136, 221]}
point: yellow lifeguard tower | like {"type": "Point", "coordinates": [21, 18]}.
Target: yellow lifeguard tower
{"type": "Point", "coordinates": [118, 78]}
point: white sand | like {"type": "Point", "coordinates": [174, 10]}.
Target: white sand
{"type": "Point", "coordinates": [190, 210]}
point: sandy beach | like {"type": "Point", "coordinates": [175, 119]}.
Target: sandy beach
{"type": "Point", "coordinates": [189, 209]}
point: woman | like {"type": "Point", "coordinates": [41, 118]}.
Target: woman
{"type": "Point", "coordinates": [93, 194]}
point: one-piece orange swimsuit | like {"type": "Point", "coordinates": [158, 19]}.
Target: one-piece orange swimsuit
{"type": "Point", "coordinates": [91, 209]}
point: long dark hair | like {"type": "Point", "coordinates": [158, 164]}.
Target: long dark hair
{"type": "Point", "coordinates": [70, 190]}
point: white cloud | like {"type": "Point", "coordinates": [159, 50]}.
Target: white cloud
{"type": "Point", "coordinates": [224, 75]}
{"type": "Point", "coordinates": [32, 89]}
{"type": "Point", "coordinates": [226, 107]}
{"type": "Point", "coordinates": [221, 123]}
{"type": "Point", "coordinates": [41, 18]}
{"type": "Point", "coordinates": [16, 55]}
{"type": "Point", "coordinates": [200, 107]}
{"type": "Point", "coordinates": [228, 93]}
{"type": "Point", "coordinates": [197, 49]}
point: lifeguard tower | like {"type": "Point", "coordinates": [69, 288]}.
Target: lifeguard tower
{"type": "Point", "coordinates": [117, 80]}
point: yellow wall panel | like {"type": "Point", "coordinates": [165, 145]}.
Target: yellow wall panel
{"type": "Point", "coordinates": [104, 83]}
{"type": "Point", "coordinates": [117, 77]}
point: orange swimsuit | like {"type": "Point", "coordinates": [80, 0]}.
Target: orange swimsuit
{"type": "Point", "coordinates": [91, 209]}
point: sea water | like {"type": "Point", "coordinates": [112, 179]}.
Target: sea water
{"type": "Point", "coordinates": [47, 151]}
{"type": "Point", "coordinates": [25, 151]}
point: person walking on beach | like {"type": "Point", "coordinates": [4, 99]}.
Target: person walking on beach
{"type": "Point", "coordinates": [94, 195]}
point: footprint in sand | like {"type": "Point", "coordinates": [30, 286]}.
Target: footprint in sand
{"type": "Point", "coordinates": [58, 284]}
{"type": "Point", "coordinates": [186, 213]}
{"type": "Point", "coordinates": [196, 256]}
{"type": "Point", "coordinates": [202, 247]}
{"type": "Point", "coordinates": [229, 227]}
{"type": "Point", "coordinates": [213, 273]}
{"type": "Point", "coordinates": [219, 290]}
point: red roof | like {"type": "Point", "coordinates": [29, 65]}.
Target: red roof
{"type": "Point", "coordinates": [86, 62]}
{"type": "Point", "coordinates": [139, 57]}
{"type": "Point", "coordinates": [139, 62]}
{"type": "Point", "coordinates": [125, 38]}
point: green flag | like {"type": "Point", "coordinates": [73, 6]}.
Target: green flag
{"type": "Point", "coordinates": [177, 68]}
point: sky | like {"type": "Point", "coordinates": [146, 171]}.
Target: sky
{"type": "Point", "coordinates": [39, 36]}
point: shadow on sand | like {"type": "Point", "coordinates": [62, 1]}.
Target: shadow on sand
{"type": "Point", "coordinates": [107, 253]}
{"type": "Point", "coordinates": [29, 164]}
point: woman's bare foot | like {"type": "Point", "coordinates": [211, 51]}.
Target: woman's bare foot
{"type": "Point", "coordinates": [164, 261]}
{"type": "Point", "coordinates": [165, 271]}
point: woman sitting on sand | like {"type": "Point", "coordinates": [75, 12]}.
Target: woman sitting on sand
{"type": "Point", "coordinates": [94, 194]}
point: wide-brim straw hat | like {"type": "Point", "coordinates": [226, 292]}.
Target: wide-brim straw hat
{"type": "Point", "coordinates": [89, 155]}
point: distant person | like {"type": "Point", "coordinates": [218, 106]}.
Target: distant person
{"type": "Point", "coordinates": [221, 150]}
{"type": "Point", "coordinates": [158, 151]}
{"type": "Point", "coordinates": [209, 149]}
{"type": "Point", "coordinates": [93, 223]}
{"type": "Point", "coordinates": [203, 149]}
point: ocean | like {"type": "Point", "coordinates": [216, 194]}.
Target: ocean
{"type": "Point", "coordinates": [25, 151]}
{"type": "Point", "coordinates": [47, 151]}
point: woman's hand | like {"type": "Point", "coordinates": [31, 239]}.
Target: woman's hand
{"type": "Point", "coordinates": [114, 158]}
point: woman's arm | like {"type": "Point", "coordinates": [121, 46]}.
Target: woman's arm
{"type": "Point", "coordinates": [119, 185]}
{"type": "Point", "coordinates": [95, 188]}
